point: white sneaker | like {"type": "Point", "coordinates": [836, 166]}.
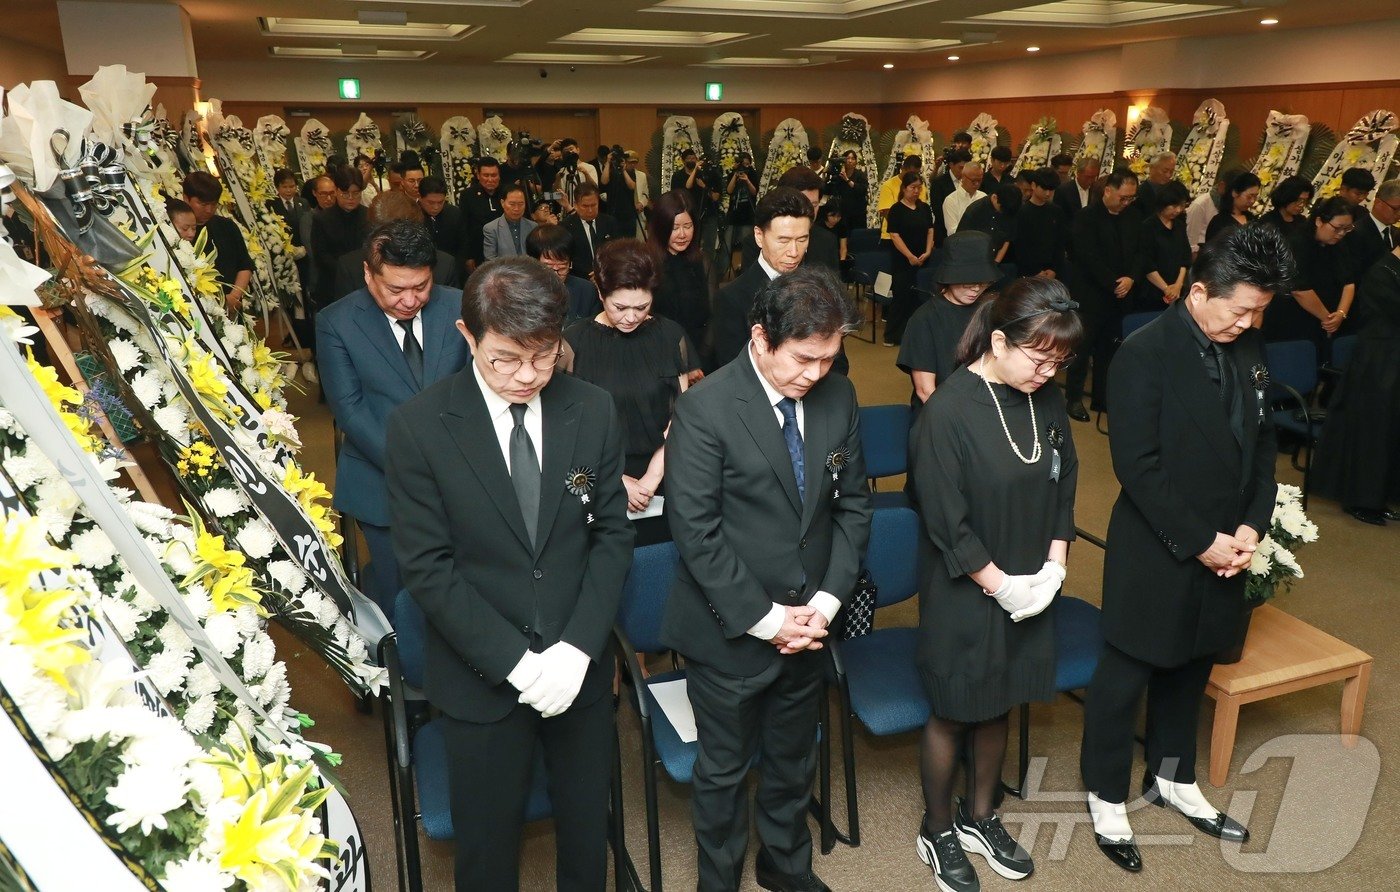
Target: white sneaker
{"type": "Point", "coordinates": [309, 370]}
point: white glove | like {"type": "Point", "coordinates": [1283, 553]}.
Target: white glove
{"type": "Point", "coordinates": [1043, 591]}
{"type": "Point", "coordinates": [562, 667]}
{"type": "Point", "coordinates": [526, 672]}
{"type": "Point", "coordinates": [1015, 592]}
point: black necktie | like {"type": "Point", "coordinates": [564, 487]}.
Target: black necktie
{"type": "Point", "coordinates": [1390, 237]}
{"type": "Point", "coordinates": [412, 350]}
{"type": "Point", "coordinates": [792, 435]}
{"type": "Point", "coordinates": [592, 240]}
{"type": "Point", "coordinates": [524, 470]}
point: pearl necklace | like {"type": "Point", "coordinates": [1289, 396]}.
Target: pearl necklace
{"type": "Point", "coordinates": [1030, 399]}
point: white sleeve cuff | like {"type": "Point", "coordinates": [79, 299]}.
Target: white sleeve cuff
{"type": "Point", "coordinates": [771, 624]}
{"type": "Point", "coordinates": [525, 671]}
{"type": "Point", "coordinates": [827, 604]}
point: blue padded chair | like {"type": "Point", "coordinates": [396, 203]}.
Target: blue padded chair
{"type": "Point", "coordinates": [862, 240]}
{"type": "Point", "coordinates": [638, 630]}
{"type": "Point", "coordinates": [876, 677]}
{"type": "Point", "coordinates": [1293, 377]}
{"type": "Point", "coordinates": [418, 757]}
{"type": "Point", "coordinates": [1131, 323]}
{"type": "Point", "coordinates": [865, 267]}
{"type": "Point", "coordinates": [1342, 349]}
{"type": "Point", "coordinates": [923, 279]}
{"type": "Point", "coordinates": [884, 441]}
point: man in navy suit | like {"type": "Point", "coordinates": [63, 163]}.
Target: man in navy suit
{"type": "Point", "coordinates": [378, 347]}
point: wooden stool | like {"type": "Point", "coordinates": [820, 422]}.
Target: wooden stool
{"type": "Point", "coordinates": [1283, 654]}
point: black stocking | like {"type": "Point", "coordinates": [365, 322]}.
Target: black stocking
{"type": "Point", "coordinates": [938, 763]}
{"type": "Point", "coordinates": [986, 753]}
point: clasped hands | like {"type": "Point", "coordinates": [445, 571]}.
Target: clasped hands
{"type": "Point", "coordinates": [1027, 596]}
{"type": "Point", "coordinates": [1228, 554]}
{"type": "Point", "coordinates": [549, 681]}
{"type": "Point", "coordinates": [803, 628]}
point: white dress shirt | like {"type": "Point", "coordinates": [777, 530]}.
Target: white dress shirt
{"type": "Point", "coordinates": [954, 206]}
{"type": "Point", "coordinates": [398, 329]}
{"type": "Point", "coordinates": [771, 274]}
{"type": "Point", "coordinates": [1083, 195]}
{"type": "Point", "coordinates": [498, 409]}
{"type": "Point", "coordinates": [825, 603]}
{"type": "Point", "coordinates": [1198, 216]}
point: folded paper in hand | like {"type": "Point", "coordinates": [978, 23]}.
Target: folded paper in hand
{"type": "Point", "coordinates": [671, 696]}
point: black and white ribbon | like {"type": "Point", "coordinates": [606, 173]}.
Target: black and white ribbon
{"type": "Point", "coordinates": [94, 182]}
{"type": "Point", "coordinates": [7, 179]}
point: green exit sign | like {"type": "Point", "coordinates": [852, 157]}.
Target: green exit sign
{"type": "Point", "coordinates": [714, 92]}
{"type": "Point", "coordinates": [349, 88]}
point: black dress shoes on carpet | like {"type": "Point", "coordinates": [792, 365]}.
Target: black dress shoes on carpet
{"type": "Point", "coordinates": [769, 878]}
{"type": "Point", "coordinates": [1124, 853]}
{"type": "Point", "coordinates": [1371, 516]}
{"type": "Point", "coordinates": [1222, 826]}
{"type": "Point", "coordinates": [1076, 410]}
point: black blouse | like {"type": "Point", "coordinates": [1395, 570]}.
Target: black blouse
{"type": "Point", "coordinates": [910, 224]}
{"type": "Point", "coordinates": [684, 297]}
{"type": "Point", "coordinates": [931, 339]}
{"type": "Point", "coordinates": [1165, 251]}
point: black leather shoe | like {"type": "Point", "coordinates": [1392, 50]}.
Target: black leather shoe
{"type": "Point", "coordinates": [1391, 515]}
{"type": "Point", "coordinates": [1371, 516]}
{"type": "Point", "coordinates": [1222, 826]}
{"type": "Point", "coordinates": [769, 878]}
{"type": "Point", "coordinates": [1123, 853]}
{"type": "Point", "coordinates": [1076, 410]}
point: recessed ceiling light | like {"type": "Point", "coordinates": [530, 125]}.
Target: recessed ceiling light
{"type": "Point", "coordinates": [888, 65]}
{"type": "Point", "coordinates": [1268, 21]}
{"type": "Point", "coordinates": [954, 58]}
{"type": "Point", "coordinates": [1032, 49]}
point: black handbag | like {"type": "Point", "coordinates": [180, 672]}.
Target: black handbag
{"type": "Point", "coordinates": [859, 613]}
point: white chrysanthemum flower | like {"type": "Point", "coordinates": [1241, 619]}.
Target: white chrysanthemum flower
{"type": "Point", "coordinates": [198, 600]}
{"type": "Point", "coordinates": [288, 575]}
{"type": "Point", "coordinates": [235, 334]}
{"type": "Point", "coordinates": [282, 426]}
{"type": "Point", "coordinates": [1284, 558]}
{"type": "Point", "coordinates": [173, 638]}
{"type": "Point", "coordinates": [201, 681]}
{"type": "Point", "coordinates": [7, 422]}
{"type": "Point", "coordinates": [258, 653]}
{"type": "Point", "coordinates": [1287, 493]}
{"type": "Point", "coordinates": [1259, 563]}
{"type": "Point", "coordinates": [243, 354]}
{"type": "Point", "coordinates": [177, 554]}
{"type": "Point", "coordinates": [327, 614]}
{"type": "Point", "coordinates": [40, 699]}
{"type": "Point", "coordinates": [55, 521]}
{"type": "Point", "coordinates": [141, 600]}
{"type": "Point", "coordinates": [172, 417]}
{"type": "Point", "coordinates": [256, 540]}
{"type": "Point", "coordinates": [225, 501]}
{"type": "Point", "coordinates": [30, 468]}
{"type": "Point", "coordinates": [248, 621]}
{"type": "Point", "coordinates": [167, 670]}
{"type": "Point", "coordinates": [121, 616]}
{"type": "Point", "coordinates": [164, 743]}
{"type": "Point", "coordinates": [195, 874]}
{"type": "Point", "coordinates": [144, 794]}
{"type": "Point", "coordinates": [146, 386]}
{"type": "Point", "coordinates": [150, 518]}
{"type": "Point", "coordinates": [222, 630]}
{"type": "Point", "coordinates": [125, 353]}
{"type": "Point", "coordinates": [93, 549]}
{"type": "Point", "coordinates": [205, 782]}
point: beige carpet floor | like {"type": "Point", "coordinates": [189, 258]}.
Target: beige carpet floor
{"type": "Point", "coordinates": [1306, 804]}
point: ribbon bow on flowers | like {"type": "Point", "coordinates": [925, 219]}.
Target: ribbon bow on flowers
{"type": "Point", "coordinates": [274, 132]}
{"type": "Point", "coordinates": [414, 130]}
{"type": "Point", "coordinates": [852, 129]}
{"type": "Point", "coordinates": [1372, 127]}
{"type": "Point", "coordinates": [93, 182]}
{"type": "Point", "coordinates": [365, 134]}
{"type": "Point", "coordinates": [319, 139]}
{"type": "Point", "coordinates": [461, 134]}
{"type": "Point", "coordinates": [142, 132]}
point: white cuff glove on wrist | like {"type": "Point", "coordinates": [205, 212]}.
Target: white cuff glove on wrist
{"type": "Point", "coordinates": [1015, 592]}
{"type": "Point", "coordinates": [1045, 585]}
{"type": "Point", "coordinates": [525, 672]}
{"type": "Point", "coordinates": [562, 667]}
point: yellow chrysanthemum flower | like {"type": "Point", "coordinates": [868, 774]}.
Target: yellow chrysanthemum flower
{"type": "Point", "coordinates": [61, 396]}
{"type": "Point", "coordinates": [40, 620]}
{"type": "Point", "coordinates": [310, 493]}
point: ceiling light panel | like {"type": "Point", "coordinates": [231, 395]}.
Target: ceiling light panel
{"type": "Point", "coordinates": [573, 59]}
{"type": "Point", "coordinates": [818, 9]}
{"type": "Point", "coordinates": [631, 37]}
{"type": "Point", "coordinates": [278, 26]}
{"type": "Point", "coordinates": [1099, 13]}
{"type": "Point", "coordinates": [764, 62]}
{"type": "Point", "coordinates": [883, 44]}
{"type": "Point", "coordinates": [332, 52]}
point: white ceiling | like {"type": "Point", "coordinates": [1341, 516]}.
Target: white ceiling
{"type": "Point", "coordinates": [843, 34]}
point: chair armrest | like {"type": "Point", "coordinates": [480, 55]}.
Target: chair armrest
{"type": "Point", "coordinates": [627, 656]}
{"type": "Point", "coordinates": [394, 707]}
{"type": "Point", "coordinates": [1090, 538]}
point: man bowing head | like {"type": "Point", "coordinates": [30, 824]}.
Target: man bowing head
{"type": "Point", "coordinates": [510, 524]}
{"type": "Point", "coordinates": [770, 510]}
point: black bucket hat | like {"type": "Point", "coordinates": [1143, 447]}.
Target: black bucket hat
{"type": "Point", "coordinates": [967, 258]}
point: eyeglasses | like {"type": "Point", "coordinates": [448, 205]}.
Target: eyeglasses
{"type": "Point", "coordinates": [509, 367]}
{"type": "Point", "coordinates": [1393, 206]}
{"type": "Point", "coordinates": [1341, 229]}
{"type": "Point", "coordinates": [1046, 366]}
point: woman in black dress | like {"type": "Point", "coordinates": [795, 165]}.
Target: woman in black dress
{"type": "Point", "coordinates": [1290, 200]}
{"type": "Point", "coordinates": [640, 359]}
{"type": "Point", "coordinates": [1358, 460]}
{"type": "Point", "coordinates": [910, 226]}
{"type": "Point", "coordinates": [683, 295]}
{"type": "Point", "coordinates": [994, 470]}
{"type": "Point", "coordinates": [1323, 293]}
{"type": "Point", "coordinates": [929, 350]}
{"type": "Point", "coordinates": [1235, 204]}
{"type": "Point", "coordinates": [1166, 252]}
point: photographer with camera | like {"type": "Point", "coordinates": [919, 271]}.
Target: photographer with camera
{"type": "Point", "coordinates": [743, 193]}
{"type": "Point", "coordinates": [620, 189]}
{"type": "Point", "coordinates": [572, 173]}
{"type": "Point", "coordinates": [851, 188]}
{"type": "Point", "coordinates": [519, 169]}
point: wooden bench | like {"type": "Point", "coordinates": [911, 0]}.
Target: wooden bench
{"type": "Point", "coordinates": [1283, 654]}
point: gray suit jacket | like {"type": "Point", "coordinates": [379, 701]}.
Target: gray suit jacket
{"type": "Point", "coordinates": [365, 377]}
{"type": "Point", "coordinates": [496, 240]}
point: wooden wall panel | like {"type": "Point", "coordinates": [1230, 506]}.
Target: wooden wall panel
{"type": "Point", "coordinates": [630, 126]}
{"type": "Point", "coordinates": [552, 123]}
{"type": "Point", "coordinates": [1016, 115]}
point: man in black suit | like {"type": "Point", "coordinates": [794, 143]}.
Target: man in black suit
{"type": "Point", "coordinates": [480, 205]}
{"type": "Point", "coordinates": [823, 247]}
{"type": "Point", "coordinates": [393, 204]}
{"type": "Point", "coordinates": [1160, 171]}
{"type": "Point", "coordinates": [1040, 233]}
{"type": "Point", "coordinates": [1375, 234]}
{"type": "Point", "coordinates": [444, 221]}
{"type": "Point", "coordinates": [942, 186]}
{"type": "Point", "coordinates": [998, 172]}
{"type": "Point", "coordinates": [1104, 243]}
{"type": "Point", "coordinates": [1193, 447]}
{"type": "Point", "coordinates": [288, 204]}
{"type": "Point", "coordinates": [782, 230]}
{"type": "Point", "coordinates": [1072, 196]}
{"type": "Point", "coordinates": [770, 510]}
{"type": "Point", "coordinates": [589, 227]}
{"type": "Point", "coordinates": [510, 524]}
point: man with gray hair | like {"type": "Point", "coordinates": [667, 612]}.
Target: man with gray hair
{"type": "Point", "coordinates": [1072, 196]}
{"type": "Point", "coordinates": [1160, 170]}
{"type": "Point", "coordinates": [1375, 234]}
{"type": "Point", "coordinates": [969, 190]}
